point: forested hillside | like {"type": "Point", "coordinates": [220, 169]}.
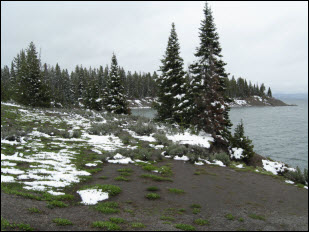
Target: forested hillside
{"type": "Point", "coordinates": [66, 88]}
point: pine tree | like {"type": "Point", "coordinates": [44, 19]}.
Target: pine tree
{"type": "Point", "coordinates": [36, 92]}
{"type": "Point", "coordinates": [5, 83]}
{"type": "Point", "coordinates": [269, 93]}
{"type": "Point", "coordinates": [239, 140]}
{"type": "Point", "coordinates": [171, 83]}
{"type": "Point", "coordinates": [114, 98]}
{"type": "Point", "coordinates": [207, 87]}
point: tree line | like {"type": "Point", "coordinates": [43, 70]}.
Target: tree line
{"type": "Point", "coordinates": [83, 87]}
{"type": "Point", "coordinates": [241, 89]}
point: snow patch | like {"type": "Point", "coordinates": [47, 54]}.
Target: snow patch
{"type": "Point", "coordinates": [92, 196]}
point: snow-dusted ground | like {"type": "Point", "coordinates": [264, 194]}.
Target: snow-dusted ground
{"type": "Point", "coordinates": [52, 170]}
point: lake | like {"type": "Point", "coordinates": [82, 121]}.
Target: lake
{"type": "Point", "coordinates": [280, 133]}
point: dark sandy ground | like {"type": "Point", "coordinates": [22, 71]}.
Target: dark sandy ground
{"type": "Point", "coordinates": [219, 191]}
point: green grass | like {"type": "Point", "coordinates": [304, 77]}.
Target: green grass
{"type": "Point", "coordinates": [241, 219]}
{"type": "Point", "coordinates": [156, 178]}
{"type": "Point", "coordinates": [177, 191]}
{"type": "Point", "coordinates": [196, 211]}
{"type": "Point", "coordinates": [257, 217]}
{"type": "Point", "coordinates": [167, 218]}
{"type": "Point", "coordinates": [196, 206]}
{"type": "Point", "coordinates": [34, 210]}
{"type": "Point", "coordinates": [55, 203]}
{"type": "Point", "coordinates": [185, 227]}
{"type": "Point", "coordinates": [62, 222]}
{"type": "Point", "coordinates": [153, 189]}
{"type": "Point", "coordinates": [6, 225]}
{"type": "Point", "coordinates": [109, 207]}
{"type": "Point", "coordinates": [229, 217]}
{"type": "Point", "coordinates": [153, 196]}
{"type": "Point", "coordinates": [125, 174]}
{"type": "Point", "coordinates": [109, 226]}
{"type": "Point", "coordinates": [103, 177]}
{"type": "Point", "coordinates": [125, 170]}
{"type": "Point", "coordinates": [121, 178]}
{"type": "Point", "coordinates": [136, 225]}
{"type": "Point", "coordinates": [201, 222]}
{"type": "Point", "coordinates": [117, 220]}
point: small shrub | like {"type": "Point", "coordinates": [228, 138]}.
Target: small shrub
{"type": "Point", "coordinates": [223, 157]}
{"type": "Point", "coordinates": [77, 134]}
{"type": "Point", "coordinates": [104, 128]}
{"type": "Point", "coordinates": [162, 139]}
{"type": "Point", "coordinates": [106, 225]}
{"type": "Point", "coordinates": [143, 129]}
{"type": "Point", "coordinates": [201, 222]}
{"type": "Point", "coordinates": [185, 227]}
{"type": "Point", "coordinates": [196, 211]}
{"type": "Point", "coordinates": [198, 151]}
{"type": "Point", "coordinates": [177, 191]}
{"type": "Point", "coordinates": [177, 150]}
{"type": "Point", "coordinates": [153, 189]}
{"type": "Point", "coordinates": [193, 157]}
{"type": "Point", "coordinates": [153, 196]}
{"type": "Point", "coordinates": [229, 217]}
{"type": "Point", "coordinates": [62, 222]}
{"type": "Point", "coordinates": [297, 176]}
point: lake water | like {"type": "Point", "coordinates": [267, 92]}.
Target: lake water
{"type": "Point", "coordinates": [280, 133]}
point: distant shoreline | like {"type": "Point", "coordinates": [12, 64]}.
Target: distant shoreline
{"type": "Point", "coordinates": [237, 102]}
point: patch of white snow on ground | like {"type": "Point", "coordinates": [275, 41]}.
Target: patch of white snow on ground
{"type": "Point", "coordinates": [144, 138]}
{"type": "Point", "coordinates": [274, 167]}
{"type": "Point", "coordinates": [92, 196]}
{"type": "Point", "coordinates": [119, 159]}
{"type": "Point", "coordinates": [104, 142]}
{"type": "Point", "coordinates": [91, 165]}
{"type": "Point", "coordinates": [202, 139]}
{"type": "Point", "coordinates": [289, 182]}
{"type": "Point", "coordinates": [199, 163]}
{"type": "Point", "coordinates": [183, 158]}
{"type": "Point", "coordinates": [7, 179]}
{"type": "Point", "coordinates": [55, 193]}
{"type": "Point", "coordinates": [239, 166]}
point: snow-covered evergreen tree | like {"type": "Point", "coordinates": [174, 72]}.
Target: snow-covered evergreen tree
{"type": "Point", "coordinates": [207, 86]}
{"type": "Point", "coordinates": [114, 98]}
{"type": "Point", "coordinates": [239, 140]}
{"type": "Point", "coordinates": [171, 83]}
{"type": "Point", "coordinates": [35, 94]}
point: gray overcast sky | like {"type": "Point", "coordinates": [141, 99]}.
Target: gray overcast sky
{"type": "Point", "coordinates": [261, 41]}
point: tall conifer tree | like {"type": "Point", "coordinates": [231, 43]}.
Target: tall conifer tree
{"type": "Point", "coordinates": [114, 97]}
{"type": "Point", "coordinates": [171, 83]}
{"type": "Point", "coordinates": [207, 87]}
